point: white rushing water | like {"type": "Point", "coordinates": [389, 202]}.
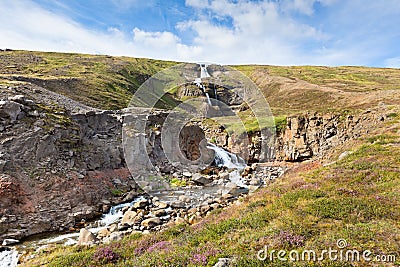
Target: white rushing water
{"type": "Point", "coordinates": [201, 86]}
{"type": "Point", "coordinates": [115, 213]}
{"type": "Point", "coordinates": [111, 217]}
{"type": "Point", "coordinates": [227, 159]}
{"type": "Point", "coordinates": [9, 258]}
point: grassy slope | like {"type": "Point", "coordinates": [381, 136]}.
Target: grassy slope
{"type": "Point", "coordinates": [98, 81]}
{"type": "Point", "coordinates": [313, 88]}
{"type": "Point", "coordinates": [109, 82]}
{"type": "Point", "coordinates": [311, 207]}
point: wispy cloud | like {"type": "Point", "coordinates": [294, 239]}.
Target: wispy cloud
{"type": "Point", "coordinates": [323, 32]}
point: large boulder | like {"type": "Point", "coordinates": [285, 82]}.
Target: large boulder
{"type": "Point", "coordinates": [86, 238]}
{"type": "Point", "coordinates": [10, 110]}
{"type": "Point", "coordinates": [151, 222]}
{"type": "Point", "coordinates": [200, 179]}
{"type": "Point", "coordinates": [130, 217]}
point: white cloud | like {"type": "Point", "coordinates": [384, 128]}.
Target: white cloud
{"type": "Point", "coordinates": [222, 31]}
{"type": "Point", "coordinates": [304, 6]}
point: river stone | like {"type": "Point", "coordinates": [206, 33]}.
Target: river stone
{"type": "Point", "coordinates": [141, 204]}
{"type": "Point", "coordinates": [237, 191]}
{"type": "Point", "coordinates": [130, 217]}
{"type": "Point", "coordinates": [86, 238]}
{"type": "Point", "coordinates": [7, 242]}
{"type": "Point", "coordinates": [184, 198]}
{"type": "Point", "coordinates": [224, 175]}
{"type": "Point", "coordinates": [192, 211]}
{"type": "Point", "coordinates": [215, 206]}
{"type": "Point", "coordinates": [160, 213]}
{"type": "Point", "coordinates": [130, 196]}
{"type": "Point", "coordinates": [177, 204]}
{"type": "Point", "coordinates": [187, 174]}
{"type": "Point", "coordinates": [200, 179]}
{"type": "Point", "coordinates": [254, 181]}
{"type": "Point", "coordinates": [161, 205]}
{"type": "Point", "coordinates": [205, 208]}
{"type": "Point", "coordinates": [193, 219]}
{"type": "Point", "coordinates": [151, 222]}
{"type": "Point", "coordinates": [103, 233]}
{"type": "Point", "coordinates": [115, 236]}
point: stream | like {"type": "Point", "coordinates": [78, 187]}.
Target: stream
{"type": "Point", "coordinates": [9, 255]}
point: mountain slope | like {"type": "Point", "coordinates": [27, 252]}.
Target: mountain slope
{"type": "Point", "coordinates": [107, 82]}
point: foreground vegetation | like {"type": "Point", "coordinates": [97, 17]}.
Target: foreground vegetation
{"type": "Point", "coordinates": [356, 198]}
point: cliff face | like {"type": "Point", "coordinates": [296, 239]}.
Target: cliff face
{"type": "Point", "coordinates": [56, 168]}
{"type": "Point", "coordinates": [314, 135]}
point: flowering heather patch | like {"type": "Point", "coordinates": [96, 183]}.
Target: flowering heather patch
{"type": "Point", "coordinates": [286, 237]}
{"type": "Point", "coordinates": [160, 246]}
{"type": "Point", "coordinates": [105, 255]}
{"type": "Point", "coordinates": [144, 244]}
{"type": "Point", "coordinates": [198, 258]}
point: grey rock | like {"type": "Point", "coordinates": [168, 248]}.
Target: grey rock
{"type": "Point", "coordinates": [187, 174]}
{"type": "Point", "coordinates": [114, 236]}
{"type": "Point", "coordinates": [86, 238]}
{"type": "Point", "coordinates": [131, 195]}
{"type": "Point", "coordinates": [161, 205]}
{"type": "Point", "coordinates": [130, 217]}
{"type": "Point", "coordinates": [151, 222]}
{"type": "Point", "coordinates": [184, 198]}
{"type": "Point", "coordinates": [160, 213]}
{"type": "Point", "coordinates": [223, 262]}
{"type": "Point", "coordinates": [10, 109]}
{"type": "Point", "coordinates": [200, 179]}
{"type": "Point", "coordinates": [177, 204]}
{"type": "Point", "coordinates": [141, 204]}
{"type": "Point", "coordinates": [224, 175]}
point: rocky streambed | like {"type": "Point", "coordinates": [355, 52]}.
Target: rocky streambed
{"type": "Point", "coordinates": [203, 193]}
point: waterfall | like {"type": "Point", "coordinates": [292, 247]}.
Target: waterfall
{"type": "Point", "coordinates": [208, 98]}
{"type": "Point", "coordinates": [201, 86]}
{"type": "Point", "coordinates": [8, 257]}
{"type": "Point", "coordinates": [227, 159]}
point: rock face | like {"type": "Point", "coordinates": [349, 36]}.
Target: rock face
{"type": "Point", "coordinates": [189, 141]}
{"type": "Point", "coordinates": [58, 168]}
{"type": "Point", "coordinates": [55, 168]}
{"type": "Point", "coordinates": [313, 135]}
{"type": "Point", "coordinates": [304, 136]}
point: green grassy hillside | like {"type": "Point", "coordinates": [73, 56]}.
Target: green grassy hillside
{"type": "Point", "coordinates": [99, 81]}
{"type": "Point", "coordinates": [109, 82]}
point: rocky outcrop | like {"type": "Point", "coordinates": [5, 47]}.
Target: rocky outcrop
{"type": "Point", "coordinates": [57, 169]}
{"type": "Point", "coordinates": [303, 137]}
{"type": "Point", "coordinates": [315, 135]}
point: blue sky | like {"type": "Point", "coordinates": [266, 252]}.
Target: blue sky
{"type": "Point", "coordinates": [276, 32]}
